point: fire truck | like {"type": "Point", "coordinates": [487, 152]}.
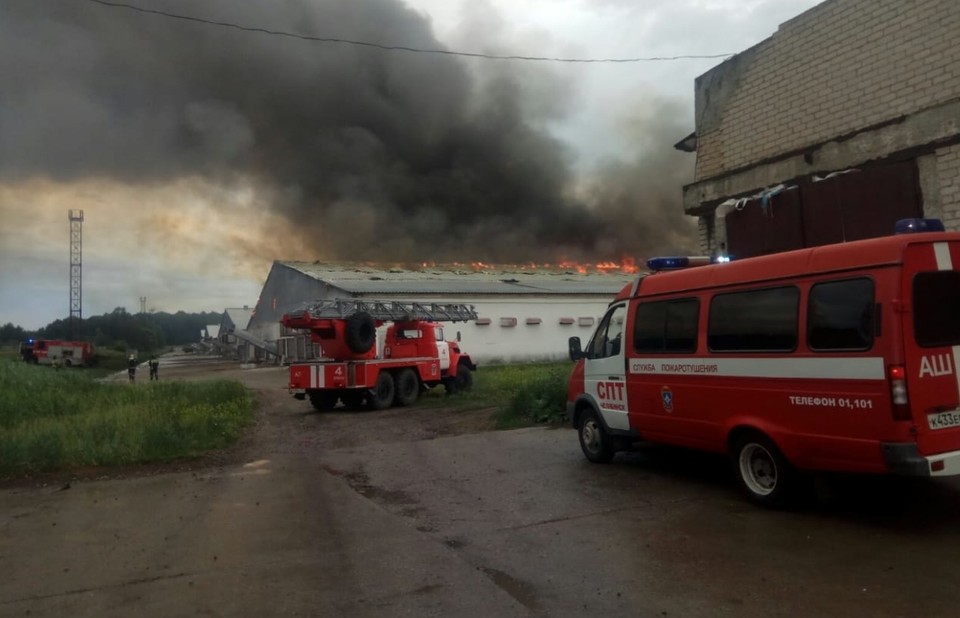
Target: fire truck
{"type": "Point", "coordinates": [53, 351]}
{"type": "Point", "coordinates": [357, 372]}
{"type": "Point", "coordinates": [838, 358]}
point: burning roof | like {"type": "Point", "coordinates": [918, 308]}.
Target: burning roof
{"type": "Point", "coordinates": [476, 278]}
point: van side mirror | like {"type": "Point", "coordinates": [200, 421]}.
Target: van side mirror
{"type": "Point", "coordinates": [458, 336]}
{"type": "Point", "coordinates": [573, 345]}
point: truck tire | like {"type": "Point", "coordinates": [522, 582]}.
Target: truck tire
{"type": "Point", "coordinates": [463, 381]}
{"type": "Point", "coordinates": [322, 400]}
{"type": "Point", "coordinates": [360, 332]}
{"type": "Point", "coordinates": [596, 445]}
{"type": "Point", "coordinates": [381, 395]}
{"type": "Point", "coordinates": [408, 388]}
{"type": "Point", "coordinates": [764, 474]}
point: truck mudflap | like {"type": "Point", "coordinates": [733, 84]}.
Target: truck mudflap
{"type": "Point", "coordinates": [904, 458]}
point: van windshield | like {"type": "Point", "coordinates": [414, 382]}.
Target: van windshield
{"type": "Point", "coordinates": [936, 308]}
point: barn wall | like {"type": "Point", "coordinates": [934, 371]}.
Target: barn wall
{"type": "Point", "coordinates": [510, 335]}
{"type": "Point", "coordinates": [842, 66]}
{"type": "Point", "coordinates": [498, 342]}
{"type": "Point", "coordinates": [285, 290]}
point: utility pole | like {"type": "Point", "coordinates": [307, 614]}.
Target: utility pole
{"type": "Point", "coordinates": [143, 304]}
{"type": "Point", "coordinates": [76, 278]}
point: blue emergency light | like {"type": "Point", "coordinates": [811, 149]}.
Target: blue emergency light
{"type": "Point", "coordinates": [678, 262]}
{"type": "Point", "coordinates": [910, 226]}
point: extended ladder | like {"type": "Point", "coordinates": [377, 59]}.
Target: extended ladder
{"type": "Point", "coordinates": [388, 310]}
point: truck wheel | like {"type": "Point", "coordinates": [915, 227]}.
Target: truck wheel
{"type": "Point", "coordinates": [461, 382]}
{"type": "Point", "coordinates": [764, 474]}
{"type": "Point", "coordinates": [594, 441]}
{"type": "Point", "coordinates": [323, 401]}
{"type": "Point", "coordinates": [408, 388]}
{"type": "Point", "coordinates": [360, 332]}
{"type": "Point", "coordinates": [381, 395]}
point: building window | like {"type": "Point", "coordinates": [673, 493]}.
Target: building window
{"type": "Point", "coordinates": [840, 315]}
{"type": "Point", "coordinates": [754, 321]}
{"type": "Point", "coordinates": [567, 321]}
{"type": "Point", "coordinates": [508, 322]}
{"type": "Point", "coordinates": [586, 321]}
{"type": "Point", "coordinates": [533, 321]}
{"type": "Point", "coordinates": [483, 321]}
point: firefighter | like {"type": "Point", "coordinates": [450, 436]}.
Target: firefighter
{"type": "Point", "coordinates": [154, 365]}
{"type": "Point", "coordinates": [132, 368]}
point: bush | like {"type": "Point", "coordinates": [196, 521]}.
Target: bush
{"type": "Point", "coordinates": [541, 398]}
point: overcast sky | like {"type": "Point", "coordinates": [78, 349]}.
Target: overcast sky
{"type": "Point", "coordinates": [195, 223]}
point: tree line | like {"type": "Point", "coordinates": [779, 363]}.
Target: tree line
{"type": "Point", "coordinates": [122, 330]}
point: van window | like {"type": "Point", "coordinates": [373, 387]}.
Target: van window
{"type": "Point", "coordinates": [840, 315]}
{"type": "Point", "coordinates": [754, 321]}
{"type": "Point", "coordinates": [607, 341]}
{"type": "Point", "coordinates": [667, 326]}
{"type": "Point", "coordinates": [936, 308]}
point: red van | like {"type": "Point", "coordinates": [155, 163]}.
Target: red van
{"type": "Point", "coordinates": [835, 358]}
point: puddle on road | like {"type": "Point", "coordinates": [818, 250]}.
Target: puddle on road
{"type": "Point", "coordinates": [523, 592]}
{"type": "Point", "coordinates": [360, 483]}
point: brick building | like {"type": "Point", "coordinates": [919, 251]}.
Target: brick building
{"type": "Point", "coordinates": [842, 122]}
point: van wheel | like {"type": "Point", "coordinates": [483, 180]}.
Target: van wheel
{"type": "Point", "coordinates": [594, 441]}
{"type": "Point", "coordinates": [764, 474]}
{"type": "Point", "coordinates": [381, 395]}
{"type": "Point", "coordinates": [408, 388]}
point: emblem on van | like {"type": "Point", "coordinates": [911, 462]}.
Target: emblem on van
{"type": "Point", "coordinates": [936, 365]}
{"type": "Point", "coordinates": [666, 396]}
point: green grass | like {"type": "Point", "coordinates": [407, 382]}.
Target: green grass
{"type": "Point", "coordinates": [523, 394]}
{"type": "Point", "coordinates": [61, 419]}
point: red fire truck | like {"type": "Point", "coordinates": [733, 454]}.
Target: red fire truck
{"type": "Point", "coordinates": [56, 351]}
{"type": "Point", "coordinates": [356, 371]}
{"type": "Point", "coordinates": [835, 358]}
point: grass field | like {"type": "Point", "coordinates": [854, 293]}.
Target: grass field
{"type": "Point", "coordinates": [52, 420]}
{"type": "Point", "coordinates": [524, 395]}
{"type": "Point", "coordinates": [55, 420]}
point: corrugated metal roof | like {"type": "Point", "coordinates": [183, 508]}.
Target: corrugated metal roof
{"type": "Point", "coordinates": [363, 279]}
{"type": "Point", "coordinates": [239, 317]}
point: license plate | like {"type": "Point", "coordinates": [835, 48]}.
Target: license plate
{"type": "Point", "coordinates": [944, 420]}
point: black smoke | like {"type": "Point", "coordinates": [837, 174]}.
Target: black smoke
{"type": "Point", "coordinates": [370, 154]}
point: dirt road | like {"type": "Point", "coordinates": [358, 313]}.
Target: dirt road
{"type": "Point", "coordinates": [417, 512]}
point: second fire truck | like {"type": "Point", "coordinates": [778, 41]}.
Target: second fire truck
{"type": "Point", "coordinates": [413, 357]}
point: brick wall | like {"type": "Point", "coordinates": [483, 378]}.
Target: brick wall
{"type": "Point", "coordinates": [841, 66]}
{"type": "Point", "coordinates": [948, 173]}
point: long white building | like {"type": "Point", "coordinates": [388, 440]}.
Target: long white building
{"type": "Point", "coordinates": [524, 315]}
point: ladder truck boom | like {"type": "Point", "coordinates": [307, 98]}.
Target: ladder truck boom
{"type": "Point", "coordinates": [385, 310]}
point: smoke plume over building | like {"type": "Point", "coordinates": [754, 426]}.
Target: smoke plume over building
{"type": "Point", "coordinates": [365, 154]}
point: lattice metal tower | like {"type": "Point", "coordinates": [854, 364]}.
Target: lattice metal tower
{"type": "Point", "coordinates": [76, 264]}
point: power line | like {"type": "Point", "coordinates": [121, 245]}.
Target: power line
{"type": "Point", "coordinates": [403, 48]}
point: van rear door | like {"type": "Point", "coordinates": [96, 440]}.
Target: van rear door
{"type": "Point", "coordinates": [931, 330]}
